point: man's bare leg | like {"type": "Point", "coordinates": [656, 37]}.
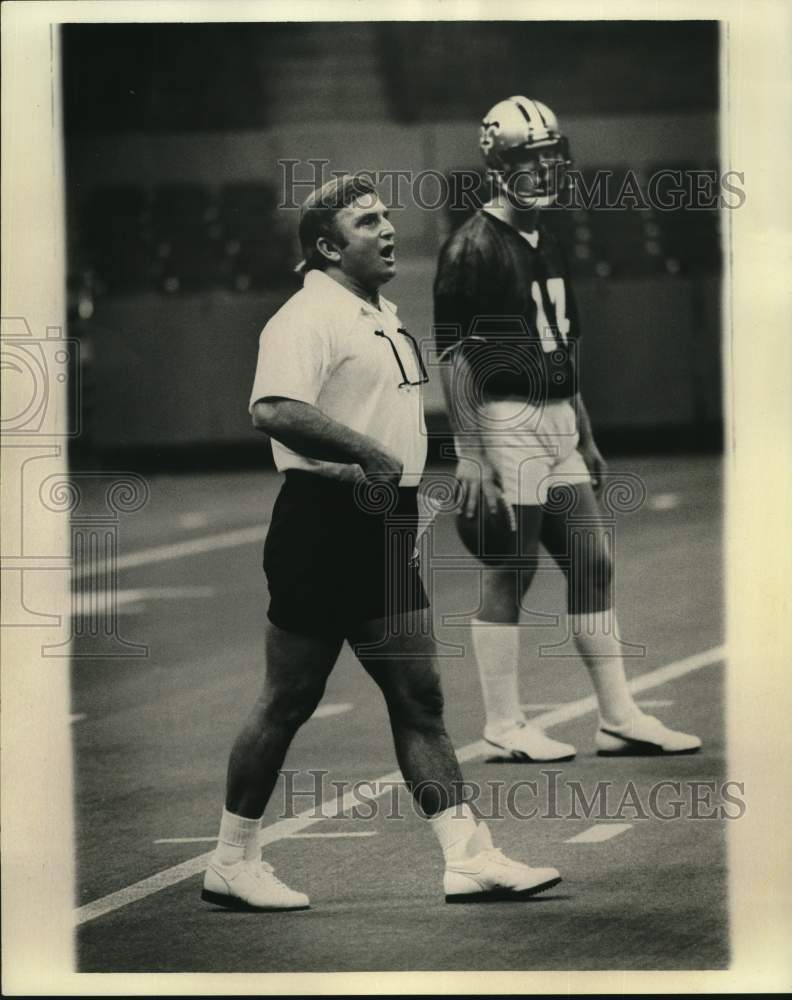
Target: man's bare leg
{"type": "Point", "coordinates": [404, 667]}
{"type": "Point", "coordinates": [296, 673]}
{"type": "Point", "coordinates": [405, 670]}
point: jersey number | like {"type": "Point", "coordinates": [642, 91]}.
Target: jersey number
{"type": "Point", "coordinates": [556, 292]}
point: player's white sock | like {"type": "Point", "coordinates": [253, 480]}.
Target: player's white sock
{"type": "Point", "coordinates": [455, 828]}
{"type": "Point", "coordinates": [497, 649]}
{"type": "Point", "coordinates": [238, 839]}
{"type": "Point", "coordinates": [596, 638]}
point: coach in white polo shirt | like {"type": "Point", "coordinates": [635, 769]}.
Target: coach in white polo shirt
{"type": "Point", "coordinates": [337, 389]}
{"type": "Point", "coordinates": [332, 349]}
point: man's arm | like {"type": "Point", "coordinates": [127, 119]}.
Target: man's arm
{"type": "Point", "coordinates": [595, 463]}
{"type": "Point", "coordinates": [308, 431]}
{"type": "Point", "coordinates": [466, 286]}
{"type": "Point", "coordinates": [475, 472]}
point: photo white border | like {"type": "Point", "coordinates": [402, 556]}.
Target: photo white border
{"type": "Point", "coordinates": [755, 138]}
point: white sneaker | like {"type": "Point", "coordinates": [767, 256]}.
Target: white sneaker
{"type": "Point", "coordinates": [489, 876]}
{"type": "Point", "coordinates": [643, 735]}
{"type": "Point", "coordinates": [524, 741]}
{"type": "Point", "coordinates": [249, 885]}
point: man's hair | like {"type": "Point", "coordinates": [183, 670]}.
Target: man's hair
{"type": "Point", "coordinates": [318, 212]}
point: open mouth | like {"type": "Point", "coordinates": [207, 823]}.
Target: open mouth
{"type": "Point", "coordinates": [388, 254]}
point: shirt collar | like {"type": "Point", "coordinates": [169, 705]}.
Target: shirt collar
{"type": "Point", "coordinates": [345, 304]}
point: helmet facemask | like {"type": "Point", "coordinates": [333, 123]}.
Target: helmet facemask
{"type": "Point", "coordinates": [533, 176]}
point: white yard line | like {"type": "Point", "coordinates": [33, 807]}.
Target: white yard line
{"type": "Point", "coordinates": [538, 706]}
{"type": "Point", "coordinates": [100, 600]}
{"type": "Point", "coordinates": [664, 501]}
{"type": "Point", "coordinates": [180, 550]}
{"type": "Point", "coordinates": [599, 832]}
{"type": "Point", "coordinates": [193, 519]}
{"type": "Point", "coordinates": [381, 786]}
{"type": "Point", "coordinates": [334, 835]}
{"type": "Point", "coordinates": [186, 840]}
{"type": "Point", "coordinates": [294, 836]}
{"type": "Point", "coordinates": [178, 873]}
{"type": "Point", "coordinates": [332, 708]}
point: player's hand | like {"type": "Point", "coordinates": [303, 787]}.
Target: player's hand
{"type": "Point", "coordinates": [478, 477]}
{"type": "Point", "coordinates": [381, 463]}
{"type": "Point", "coordinates": [596, 465]}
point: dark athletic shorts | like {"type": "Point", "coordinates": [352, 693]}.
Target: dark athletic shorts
{"type": "Point", "coordinates": [338, 554]}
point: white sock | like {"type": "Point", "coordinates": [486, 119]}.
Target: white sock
{"type": "Point", "coordinates": [497, 649]}
{"type": "Point", "coordinates": [596, 638]}
{"type": "Point", "coordinates": [455, 827]}
{"type": "Point", "coordinates": [238, 839]}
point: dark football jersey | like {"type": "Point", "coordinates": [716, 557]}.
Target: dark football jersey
{"type": "Point", "coordinates": [509, 307]}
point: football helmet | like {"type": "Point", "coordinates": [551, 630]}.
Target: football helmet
{"type": "Point", "coordinates": [524, 148]}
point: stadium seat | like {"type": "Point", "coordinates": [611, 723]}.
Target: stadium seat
{"type": "Point", "coordinates": [622, 242]}
{"type": "Point", "coordinates": [181, 207]}
{"type": "Point", "coordinates": [245, 209]}
{"type": "Point", "coordinates": [260, 262]}
{"type": "Point", "coordinates": [692, 238]}
{"type": "Point", "coordinates": [257, 246]}
{"type": "Point", "coordinates": [115, 237]}
{"type": "Point", "coordinates": [184, 225]}
{"type": "Point", "coordinates": [187, 264]}
{"type": "Point", "coordinates": [114, 206]}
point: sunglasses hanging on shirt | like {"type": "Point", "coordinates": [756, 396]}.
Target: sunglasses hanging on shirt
{"type": "Point", "coordinates": [421, 367]}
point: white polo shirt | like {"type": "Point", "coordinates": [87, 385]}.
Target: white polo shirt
{"type": "Point", "coordinates": [322, 348]}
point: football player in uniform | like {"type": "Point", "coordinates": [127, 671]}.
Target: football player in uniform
{"type": "Point", "coordinates": [506, 328]}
